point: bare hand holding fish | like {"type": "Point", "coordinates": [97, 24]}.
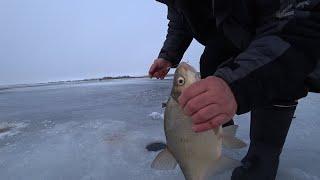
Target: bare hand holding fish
{"type": "Point", "coordinates": [209, 102]}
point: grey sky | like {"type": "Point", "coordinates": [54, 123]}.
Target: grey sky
{"type": "Point", "coordinates": [49, 40]}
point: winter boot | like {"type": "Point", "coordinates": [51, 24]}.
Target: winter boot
{"type": "Point", "coordinates": [268, 130]}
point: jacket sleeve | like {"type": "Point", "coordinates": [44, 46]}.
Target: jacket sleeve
{"type": "Point", "coordinates": [178, 38]}
{"type": "Point", "coordinates": [269, 70]}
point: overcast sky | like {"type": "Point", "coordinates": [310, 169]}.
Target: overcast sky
{"type": "Point", "coordinates": [50, 40]}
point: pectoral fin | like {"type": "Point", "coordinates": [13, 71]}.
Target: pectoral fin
{"type": "Point", "coordinates": [233, 142]}
{"type": "Point", "coordinates": [164, 161]}
{"type": "Point", "coordinates": [230, 130]}
{"type": "Point", "coordinates": [229, 140]}
{"type": "Point", "coordinates": [222, 165]}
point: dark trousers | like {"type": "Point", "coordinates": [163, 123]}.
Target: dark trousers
{"type": "Point", "coordinates": [269, 124]}
{"type": "Point", "coordinates": [268, 131]}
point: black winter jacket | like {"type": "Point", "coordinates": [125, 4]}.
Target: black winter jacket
{"type": "Point", "coordinates": [279, 41]}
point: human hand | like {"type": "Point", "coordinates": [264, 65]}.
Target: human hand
{"type": "Point", "coordinates": [159, 68]}
{"type": "Point", "coordinates": [210, 102]}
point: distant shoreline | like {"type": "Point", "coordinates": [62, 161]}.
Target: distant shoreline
{"type": "Point", "coordinates": [8, 87]}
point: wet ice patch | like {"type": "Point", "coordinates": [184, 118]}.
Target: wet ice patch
{"type": "Point", "coordinates": [10, 129]}
{"type": "Point", "coordinates": [156, 116]}
{"type": "Point", "coordinates": [5, 127]}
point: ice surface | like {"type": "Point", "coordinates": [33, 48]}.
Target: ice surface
{"type": "Point", "coordinates": [99, 131]}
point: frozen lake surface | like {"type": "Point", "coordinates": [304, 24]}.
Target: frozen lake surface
{"type": "Point", "coordinates": [98, 131]}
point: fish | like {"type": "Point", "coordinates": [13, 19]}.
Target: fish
{"type": "Point", "coordinates": [199, 155]}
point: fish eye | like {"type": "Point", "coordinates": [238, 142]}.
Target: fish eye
{"type": "Point", "coordinates": [180, 81]}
